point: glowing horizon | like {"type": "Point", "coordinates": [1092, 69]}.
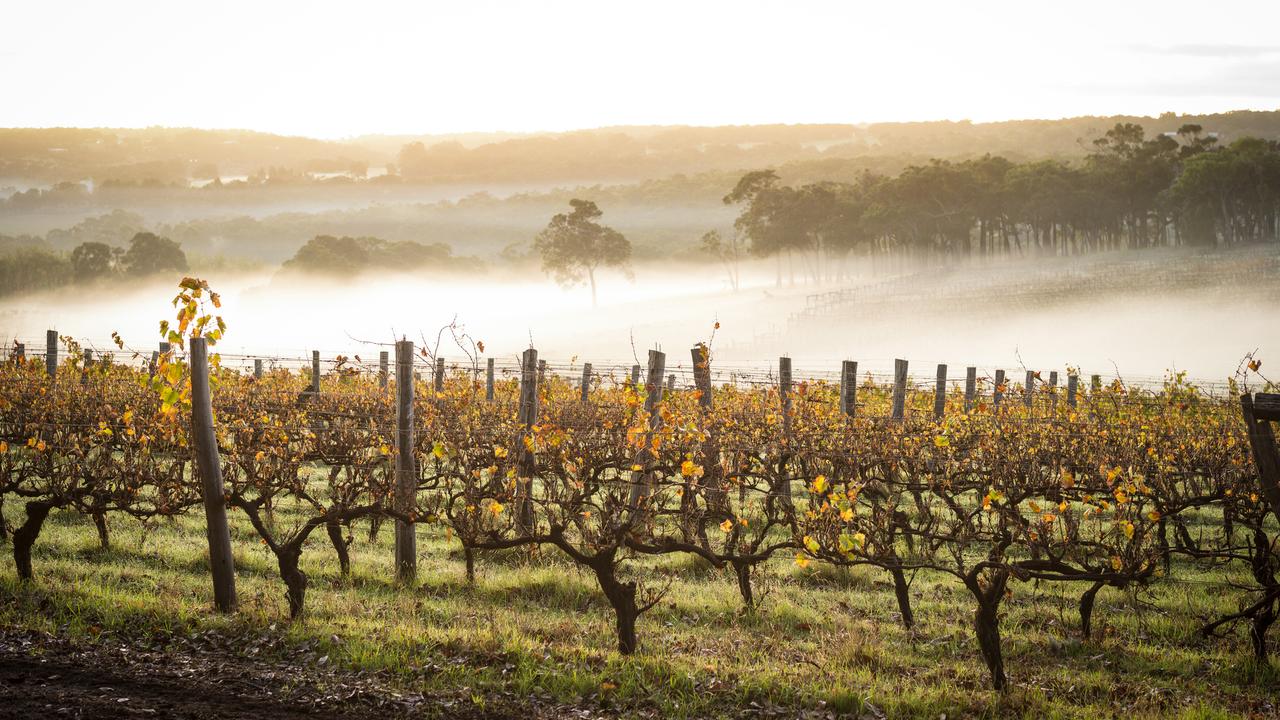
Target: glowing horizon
{"type": "Point", "coordinates": [329, 70]}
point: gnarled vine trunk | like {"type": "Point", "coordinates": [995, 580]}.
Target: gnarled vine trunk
{"type": "Point", "coordinates": [1086, 609]}
{"type": "Point", "coordinates": [340, 545]}
{"type": "Point", "coordinates": [25, 536]}
{"type": "Point", "coordinates": [100, 522]}
{"type": "Point", "coordinates": [901, 590]}
{"type": "Point", "coordinates": [295, 581]}
{"type": "Point", "coordinates": [986, 624]}
{"type": "Point", "coordinates": [622, 596]}
{"type": "Point", "coordinates": [743, 571]}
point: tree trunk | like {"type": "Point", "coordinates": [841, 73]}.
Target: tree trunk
{"type": "Point", "coordinates": [904, 597]}
{"type": "Point", "coordinates": [295, 580]}
{"type": "Point", "coordinates": [987, 628]}
{"type": "Point", "coordinates": [986, 623]}
{"type": "Point", "coordinates": [743, 571]}
{"type": "Point", "coordinates": [340, 545]}
{"type": "Point", "coordinates": [1086, 610]}
{"type": "Point", "coordinates": [591, 275]}
{"type": "Point", "coordinates": [622, 596]}
{"type": "Point", "coordinates": [100, 522]}
{"type": "Point", "coordinates": [1258, 633]}
{"type": "Point", "coordinates": [470, 556]}
{"type": "Point", "coordinates": [25, 536]}
{"type": "Point", "coordinates": [1166, 555]}
{"type": "Point", "coordinates": [4, 526]}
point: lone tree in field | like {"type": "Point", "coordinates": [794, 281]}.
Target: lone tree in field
{"type": "Point", "coordinates": [149, 254]}
{"type": "Point", "coordinates": [574, 245]}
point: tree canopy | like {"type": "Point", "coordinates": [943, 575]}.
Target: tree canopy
{"type": "Point", "coordinates": [573, 246]}
{"type": "Point", "coordinates": [149, 254]}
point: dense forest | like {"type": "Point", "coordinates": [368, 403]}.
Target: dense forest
{"type": "Point", "coordinates": [1131, 192]}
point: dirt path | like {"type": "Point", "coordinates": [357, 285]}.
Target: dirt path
{"type": "Point", "coordinates": [45, 676]}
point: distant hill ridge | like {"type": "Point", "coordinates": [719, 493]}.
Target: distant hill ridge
{"type": "Point", "coordinates": [625, 153]}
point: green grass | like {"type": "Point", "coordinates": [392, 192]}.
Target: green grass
{"type": "Point", "coordinates": [536, 624]}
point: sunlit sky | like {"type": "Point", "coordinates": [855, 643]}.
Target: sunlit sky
{"type": "Point", "coordinates": [335, 69]}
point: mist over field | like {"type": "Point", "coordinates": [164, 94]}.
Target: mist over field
{"type": "Point", "coordinates": [1105, 327]}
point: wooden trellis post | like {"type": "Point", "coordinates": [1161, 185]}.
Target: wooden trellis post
{"type": "Point", "coordinates": [849, 387]}
{"type": "Point", "coordinates": [529, 377]}
{"type": "Point", "coordinates": [406, 470]}
{"type": "Point", "coordinates": [970, 387]}
{"type": "Point", "coordinates": [899, 389]}
{"type": "Point", "coordinates": [51, 354]}
{"type": "Point", "coordinates": [208, 464]}
{"type": "Point", "coordinates": [940, 392]}
{"type": "Point", "coordinates": [1259, 412]}
{"type": "Point", "coordinates": [653, 394]}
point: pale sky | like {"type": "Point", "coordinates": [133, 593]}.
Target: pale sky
{"type": "Point", "coordinates": [335, 69]}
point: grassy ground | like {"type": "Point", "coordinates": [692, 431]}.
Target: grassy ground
{"type": "Point", "coordinates": [535, 625]}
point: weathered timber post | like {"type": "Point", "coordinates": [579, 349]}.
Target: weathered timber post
{"type": "Point", "coordinates": [849, 387]}
{"type": "Point", "coordinates": [88, 363]}
{"type": "Point", "coordinates": [1259, 412]}
{"type": "Point", "coordinates": [315, 371]}
{"type": "Point", "coordinates": [438, 378]}
{"type": "Point", "coordinates": [257, 368]}
{"type": "Point", "coordinates": [635, 376]}
{"type": "Point", "coordinates": [384, 368]}
{"type": "Point", "coordinates": [209, 466]}
{"type": "Point", "coordinates": [20, 353]}
{"type": "Point", "coordinates": [940, 392]}
{"type": "Point", "coordinates": [1095, 383]}
{"type": "Point", "coordinates": [1053, 388]}
{"type": "Point", "coordinates": [586, 381]}
{"type": "Point", "coordinates": [653, 394]}
{"type": "Point", "coordinates": [997, 394]}
{"type": "Point", "coordinates": [1029, 389]}
{"type": "Point", "coordinates": [528, 410]}
{"type": "Point", "coordinates": [671, 383]}
{"type": "Point", "coordinates": [406, 470]}
{"type": "Point", "coordinates": [784, 396]}
{"type": "Point", "coordinates": [488, 379]}
{"type": "Point", "coordinates": [701, 356]}
{"type": "Point", "coordinates": [542, 372]}
{"type": "Point", "coordinates": [51, 353]}
{"type": "Point", "coordinates": [1073, 384]}
{"type": "Point", "coordinates": [713, 473]}
{"type": "Point", "coordinates": [970, 387]}
{"type": "Point", "coordinates": [899, 389]}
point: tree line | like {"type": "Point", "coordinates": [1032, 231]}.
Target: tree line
{"type": "Point", "coordinates": [31, 268]}
{"type": "Point", "coordinates": [1130, 192]}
